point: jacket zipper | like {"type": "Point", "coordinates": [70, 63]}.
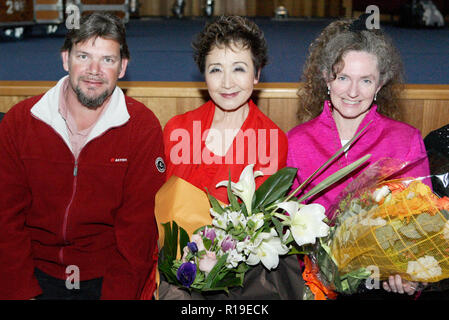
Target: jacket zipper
{"type": "Point", "coordinates": [75, 180]}
{"type": "Point", "coordinates": [67, 210]}
{"type": "Point", "coordinates": [66, 213]}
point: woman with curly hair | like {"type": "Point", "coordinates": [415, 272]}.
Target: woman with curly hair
{"type": "Point", "coordinates": [352, 77]}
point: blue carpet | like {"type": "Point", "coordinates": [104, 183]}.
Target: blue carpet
{"type": "Point", "coordinates": [160, 51]}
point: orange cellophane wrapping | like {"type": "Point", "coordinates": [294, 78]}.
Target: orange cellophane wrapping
{"type": "Point", "coordinates": [310, 276]}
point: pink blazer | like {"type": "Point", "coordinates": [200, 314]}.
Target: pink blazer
{"type": "Point", "coordinates": [312, 143]}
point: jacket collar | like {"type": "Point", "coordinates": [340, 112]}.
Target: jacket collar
{"type": "Point", "coordinates": [47, 110]}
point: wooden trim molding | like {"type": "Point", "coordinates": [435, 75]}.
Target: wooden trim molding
{"type": "Point", "coordinates": [285, 90]}
{"type": "Point", "coordinates": [424, 106]}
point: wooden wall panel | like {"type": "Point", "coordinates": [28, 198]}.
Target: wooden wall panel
{"type": "Point", "coordinates": [93, 2]}
{"type": "Point", "coordinates": [435, 114]}
{"type": "Point", "coordinates": [236, 7]}
{"type": "Point", "coordinates": [156, 7]}
{"type": "Point", "coordinates": [6, 102]}
{"type": "Point", "coordinates": [47, 15]}
{"type": "Point", "coordinates": [264, 8]}
{"type": "Point", "coordinates": [310, 8]}
{"type": "Point", "coordinates": [320, 8]}
{"type": "Point", "coordinates": [425, 107]}
{"type": "Point", "coordinates": [192, 8]}
{"type": "Point", "coordinates": [307, 7]}
{"type": "Point", "coordinates": [296, 8]}
{"type": "Point", "coordinates": [412, 111]}
{"type": "Point", "coordinates": [251, 8]}
{"type": "Point", "coordinates": [426, 115]}
{"type": "Point", "coordinates": [282, 112]}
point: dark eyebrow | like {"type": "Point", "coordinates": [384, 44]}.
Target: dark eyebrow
{"type": "Point", "coordinates": [81, 52]}
{"type": "Point", "coordinates": [240, 62]}
{"type": "Point", "coordinates": [364, 76]}
{"type": "Point", "coordinates": [88, 54]}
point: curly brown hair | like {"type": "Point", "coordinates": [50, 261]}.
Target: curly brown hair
{"type": "Point", "coordinates": [325, 60]}
{"type": "Point", "coordinates": [227, 30]}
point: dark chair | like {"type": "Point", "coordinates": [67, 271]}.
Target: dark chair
{"type": "Point", "coordinates": [437, 145]}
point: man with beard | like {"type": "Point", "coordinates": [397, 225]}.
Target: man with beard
{"type": "Point", "coordinates": [79, 168]}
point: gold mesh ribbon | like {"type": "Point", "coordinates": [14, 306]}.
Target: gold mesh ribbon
{"type": "Point", "coordinates": [406, 233]}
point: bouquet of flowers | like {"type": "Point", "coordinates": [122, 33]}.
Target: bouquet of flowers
{"type": "Point", "coordinates": [260, 228]}
{"type": "Point", "coordinates": [381, 228]}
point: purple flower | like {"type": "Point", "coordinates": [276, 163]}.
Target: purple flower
{"type": "Point", "coordinates": [228, 244]}
{"type": "Point", "coordinates": [192, 247]}
{"type": "Point", "coordinates": [209, 233]}
{"type": "Point", "coordinates": [186, 274]}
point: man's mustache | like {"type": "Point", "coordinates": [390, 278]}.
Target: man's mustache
{"type": "Point", "coordinates": [87, 78]}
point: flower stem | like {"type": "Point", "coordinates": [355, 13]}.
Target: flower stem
{"type": "Point", "coordinates": [281, 216]}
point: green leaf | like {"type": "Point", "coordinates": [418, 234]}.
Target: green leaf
{"type": "Point", "coordinates": [278, 226]}
{"type": "Point", "coordinates": [174, 238]}
{"type": "Point", "coordinates": [350, 282]}
{"type": "Point", "coordinates": [170, 248]}
{"type": "Point", "coordinates": [212, 276]}
{"type": "Point", "coordinates": [231, 279]}
{"type": "Point", "coordinates": [199, 279]}
{"type": "Point", "coordinates": [215, 204]}
{"type": "Point", "coordinates": [207, 243]}
{"type": "Point", "coordinates": [166, 270]}
{"type": "Point", "coordinates": [232, 198]}
{"type": "Point", "coordinates": [197, 231]}
{"type": "Point", "coordinates": [242, 268]}
{"type": "Point", "coordinates": [241, 236]}
{"type": "Point", "coordinates": [334, 178]}
{"type": "Point", "coordinates": [274, 187]}
{"type": "Point", "coordinates": [295, 250]}
{"type": "Point", "coordinates": [244, 210]}
{"type": "Point", "coordinates": [183, 238]}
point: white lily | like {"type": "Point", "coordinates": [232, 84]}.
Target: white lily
{"type": "Point", "coordinates": [266, 248]}
{"type": "Point", "coordinates": [219, 220]}
{"type": "Point", "coordinates": [305, 221]}
{"type": "Point", "coordinates": [257, 220]}
{"type": "Point", "coordinates": [245, 187]}
{"type": "Point", "coordinates": [220, 235]}
{"type": "Point", "coordinates": [234, 258]}
{"type": "Point", "coordinates": [243, 246]}
{"type": "Point", "coordinates": [237, 219]}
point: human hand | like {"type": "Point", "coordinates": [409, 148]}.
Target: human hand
{"type": "Point", "coordinates": [396, 284]}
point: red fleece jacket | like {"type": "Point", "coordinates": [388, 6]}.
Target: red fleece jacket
{"type": "Point", "coordinates": [96, 214]}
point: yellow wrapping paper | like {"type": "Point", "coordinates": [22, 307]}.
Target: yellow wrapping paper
{"type": "Point", "coordinates": [180, 201]}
